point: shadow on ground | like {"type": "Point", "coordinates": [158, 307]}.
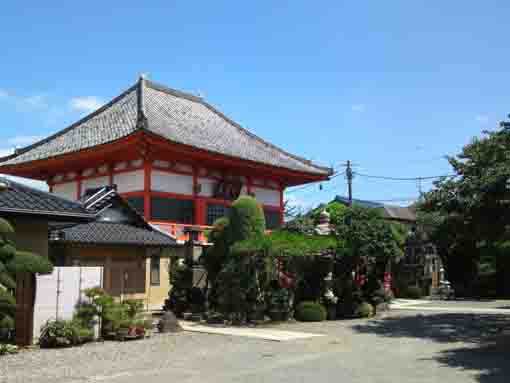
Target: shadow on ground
{"type": "Point", "coordinates": [488, 349]}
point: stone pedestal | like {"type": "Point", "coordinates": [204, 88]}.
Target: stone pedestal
{"type": "Point", "coordinates": [169, 323]}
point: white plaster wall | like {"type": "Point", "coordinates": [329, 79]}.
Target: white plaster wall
{"type": "Point", "coordinates": [94, 183]}
{"type": "Point", "coordinates": [171, 183]}
{"type": "Point", "coordinates": [129, 181]}
{"type": "Point", "coordinates": [67, 190]}
{"type": "Point", "coordinates": [208, 186]}
{"type": "Point", "coordinates": [267, 196]}
{"type": "Point", "coordinates": [69, 281]}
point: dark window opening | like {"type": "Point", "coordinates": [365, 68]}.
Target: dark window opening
{"type": "Point", "coordinates": [137, 203]}
{"type": "Point", "coordinates": [272, 219]}
{"type": "Point", "coordinates": [174, 210]}
{"type": "Point", "coordinates": [155, 270]}
{"type": "Point", "coordinates": [215, 211]}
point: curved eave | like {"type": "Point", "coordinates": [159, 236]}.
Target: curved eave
{"type": "Point", "coordinates": [59, 216]}
{"type": "Point", "coordinates": [42, 169]}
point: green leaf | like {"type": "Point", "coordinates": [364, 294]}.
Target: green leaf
{"type": "Point", "coordinates": [6, 280]}
{"type": "Point", "coordinates": [29, 263]}
{"type": "Point", "coordinates": [5, 227]}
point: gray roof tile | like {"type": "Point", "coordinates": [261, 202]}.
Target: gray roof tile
{"type": "Point", "coordinates": [22, 199]}
{"type": "Point", "coordinates": [171, 114]}
{"type": "Point", "coordinates": [106, 233]}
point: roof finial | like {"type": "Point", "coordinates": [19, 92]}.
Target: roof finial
{"type": "Point", "coordinates": [143, 76]}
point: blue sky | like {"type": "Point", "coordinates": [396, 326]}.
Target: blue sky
{"type": "Point", "coordinates": [392, 85]}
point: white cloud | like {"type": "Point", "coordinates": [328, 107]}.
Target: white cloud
{"type": "Point", "coordinates": [297, 203]}
{"type": "Point", "coordinates": [36, 101]}
{"type": "Point", "coordinates": [23, 140]}
{"type": "Point", "coordinates": [482, 118]}
{"type": "Point", "coordinates": [6, 152]}
{"type": "Point", "coordinates": [86, 104]}
{"type": "Point", "coordinates": [358, 108]}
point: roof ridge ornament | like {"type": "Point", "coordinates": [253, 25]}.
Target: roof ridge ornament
{"type": "Point", "coordinates": [141, 122]}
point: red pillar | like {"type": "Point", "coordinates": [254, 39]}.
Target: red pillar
{"type": "Point", "coordinates": [78, 186]}
{"type": "Point", "coordinates": [198, 202]}
{"type": "Point", "coordinates": [248, 185]}
{"type": "Point", "coordinates": [282, 209]}
{"type": "Point", "coordinates": [147, 166]}
{"type": "Point", "coordinates": [110, 174]}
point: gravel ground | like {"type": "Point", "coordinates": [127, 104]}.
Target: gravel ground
{"type": "Point", "coordinates": [398, 347]}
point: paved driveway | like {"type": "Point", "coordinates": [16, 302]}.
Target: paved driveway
{"type": "Point", "coordinates": [403, 346]}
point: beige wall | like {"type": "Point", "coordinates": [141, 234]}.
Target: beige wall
{"type": "Point", "coordinates": [31, 234]}
{"type": "Point", "coordinates": [116, 260]}
{"type": "Point", "coordinates": [156, 295]}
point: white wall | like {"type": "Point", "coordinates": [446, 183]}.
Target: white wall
{"type": "Point", "coordinates": [208, 186]}
{"type": "Point", "coordinates": [129, 181]}
{"type": "Point", "coordinates": [67, 190]}
{"type": "Point", "coordinates": [171, 182]}
{"type": "Point", "coordinates": [93, 183]}
{"type": "Point", "coordinates": [69, 281]}
{"type": "Point", "coordinates": [267, 196]}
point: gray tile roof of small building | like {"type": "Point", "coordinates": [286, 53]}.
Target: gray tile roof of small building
{"type": "Point", "coordinates": [21, 199]}
{"type": "Point", "coordinates": [111, 233]}
{"type": "Point", "coordinates": [389, 211]}
{"type": "Point", "coordinates": [171, 114]}
{"type": "Point", "coordinates": [116, 223]}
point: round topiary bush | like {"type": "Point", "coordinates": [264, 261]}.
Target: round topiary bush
{"type": "Point", "coordinates": [413, 292]}
{"type": "Point", "coordinates": [308, 311]}
{"type": "Point", "coordinates": [246, 219]}
{"type": "Point", "coordinates": [365, 310]}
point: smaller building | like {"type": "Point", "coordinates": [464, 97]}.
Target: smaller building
{"type": "Point", "coordinates": [135, 255]}
{"type": "Point", "coordinates": [31, 212]}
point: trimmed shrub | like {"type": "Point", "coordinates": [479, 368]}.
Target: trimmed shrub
{"type": "Point", "coordinates": [30, 263]}
{"type": "Point", "coordinates": [63, 333]}
{"type": "Point", "coordinates": [6, 323]}
{"type": "Point", "coordinates": [365, 310]}
{"type": "Point", "coordinates": [246, 219]}
{"type": "Point", "coordinates": [308, 311]}
{"type": "Point", "coordinates": [7, 303]}
{"type": "Point", "coordinates": [6, 349]}
{"type": "Point", "coordinates": [412, 292]}
{"type": "Point", "coordinates": [134, 307]}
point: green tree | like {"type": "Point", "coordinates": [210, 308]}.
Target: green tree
{"type": "Point", "coordinates": [12, 262]}
{"type": "Point", "coordinates": [364, 237]}
{"type": "Point", "coordinates": [472, 208]}
{"type": "Point", "coordinates": [246, 219]}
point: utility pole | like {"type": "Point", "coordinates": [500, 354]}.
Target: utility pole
{"type": "Point", "coordinates": [349, 174]}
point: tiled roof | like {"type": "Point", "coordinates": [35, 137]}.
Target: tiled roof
{"type": "Point", "coordinates": [389, 211]}
{"type": "Point", "coordinates": [359, 202]}
{"type": "Point", "coordinates": [400, 213]}
{"type": "Point", "coordinates": [110, 233]}
{"type": "Point", "coordinates": [22, 199]}
{"type": "Point", "coordinates": [171, 114]}
{"type": "Point", "coordinates": [116, 223]}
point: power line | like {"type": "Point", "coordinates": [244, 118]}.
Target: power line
{"type": "Point", "coordinates": [415, 179]}
{"type": "Point", "coordinates": [337, 174]}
